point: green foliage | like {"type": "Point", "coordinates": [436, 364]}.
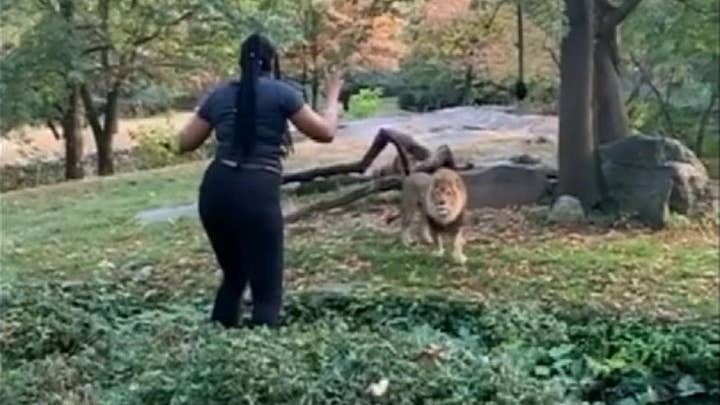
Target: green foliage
{"type": "Point", "coordinates": [147, 99]}
{"type": "Point", "coordinates": [390, 82]}
{"type": "Point", "coordinates": [366, 102]}
{"type": "Point", "coordinates": [131, 326]}
{"type": "Point", "coordinates": [153, 148]}
{"type": "Point", "coordinates": [543, 93]}
{"type": "Point", "coordinates": [676, 45]}
{"type": "Point", "coordinates": [117, 349]}
{"type": "Point", "coordinates": [429, 84]}
{"type": "Point", "coordinates": [33, 75]}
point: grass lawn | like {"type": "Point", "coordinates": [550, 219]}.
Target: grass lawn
{"type": "Point", "coordinates": [98, 308]}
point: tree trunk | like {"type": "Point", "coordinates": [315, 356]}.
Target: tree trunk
{"type": "Point", "coordinates": [304, 79]}
{"type": "Point", "coordinates": [315, 88]}
{"type": "Point", "coordinates": [700, 140]}
{"type": "Point", "coordinates": [467, 86]}
{"type": "Point", "coordinates": [103, 134]}
{"type": "Point", "coordinates": [105, 162]}
{"type": "Point", "coordinates": [520, 42]}
{"type": "Point", "coordinates": [662, 102]}
{"type": "Point", "coordinates": [609, 114]}
{"type": "Point", "coordinates": [610, 117]}
{"type": "Point", "coordinates": [576, 155]}
{"type": "Point", "coordinates": [73, 137]}
{"type": "Point", "coordinates": [70, 119]}
{"type": "Point", "coordinates": [105, 154]}
{"type": "Point", "coordinates": [105, 141]}
{"type": "Point", "coordinates": [109, 111]}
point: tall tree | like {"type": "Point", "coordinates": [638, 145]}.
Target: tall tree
{"type": "Point", "coordinates": [334, 32]}
{"type": "Point", "coordinates": [609, 115]}
{"type": "Point", "coordinates": [127, 39]}
{"type": "Point", "coordinates": [71, 110]}
{"type": "Point", "coordinates": [576, 154]}
{"type": "Point", "coordinates": [40, 74]}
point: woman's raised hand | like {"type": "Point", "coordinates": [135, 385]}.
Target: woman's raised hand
{"type": "Point", "coordinates": [333, 84]}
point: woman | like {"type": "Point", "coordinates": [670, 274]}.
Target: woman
{"type": "Point", "coordinates": [239, 200]}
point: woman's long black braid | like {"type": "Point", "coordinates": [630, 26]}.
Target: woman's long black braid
{"type": "Point", "coordinates": [257, 56]}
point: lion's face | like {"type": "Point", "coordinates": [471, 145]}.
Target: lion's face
{"type": "Point", "coordinates": [447, 196]}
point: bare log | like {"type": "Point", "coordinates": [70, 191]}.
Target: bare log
{"type": "Point", "coordinates": [402, 142]}
{"type": "Point", "coordinates": [331, 183]}
{"type": "Point", "coordinates": [443, 157]}
{"type": "Point", "coordinates": [407, 149]}
{"type": "Point", "coordinates": [377, 186]}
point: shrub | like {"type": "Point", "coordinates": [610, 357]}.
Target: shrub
{"type": "Point", "coordinates": [366, 102]}
{"type": "Point", "coordinates": [486, 92]}
{"type": "Point", "coordinates": [543, 94]}
{"type": "Point", "coordinates": [431, 348]}
{"type": "Point", "coordinates": [154, 148]}
{"type": "Point", "coordinates": [429, 84]}
{"type": "Point", "coordinates": [390, 82]}
{"type": "Point", "coordinates": [149, 99]}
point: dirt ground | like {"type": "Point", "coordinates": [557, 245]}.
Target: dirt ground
{"type": "Point", "coordinates": [477, 133]}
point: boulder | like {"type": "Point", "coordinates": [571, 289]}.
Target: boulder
{"type": "Point", "coordinates": [635, 151]}
{"type": "Point", "coordinates": [641, 191]}
{"type": "Point", "coordinates": [652, 175]}
{"type": "Point", "coordinates": [525, 159]}
{"type": "Point", "coordinates": [505, 185]}
{"type": "Point", "coordinates": [690, 185]}
{"type": "Point", "coordinates": [567, 210]}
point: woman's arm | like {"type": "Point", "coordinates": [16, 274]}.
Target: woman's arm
{"type": "Point", "coordinates": [316, 127]}
{"type": "Point", "coordinates": [195, 132]}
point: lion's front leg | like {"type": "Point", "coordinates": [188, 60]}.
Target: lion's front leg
{"type": "Point", "coordinates": [425, 233]}
{"type": "Point", "coordinates": [405, 236]}
{"type": "Point", "coordinates": [437, 238]}
{"type": "Point", "coordinates": [458, 244]}
{"type": "Point", "coordinates": [407, 211]}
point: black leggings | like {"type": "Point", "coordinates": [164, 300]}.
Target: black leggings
{"type": "Point", "coordinates": [240, 211]}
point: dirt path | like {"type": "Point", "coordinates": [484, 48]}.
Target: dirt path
{"type": "Point", "coordinates": [478, 133]}
{"type": "Point", "coordinates": [30, 143]}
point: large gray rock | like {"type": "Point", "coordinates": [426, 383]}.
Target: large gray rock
{"type": "Point", "coordinates": [690, 186]}
{"type": "Point", "coordinates": [567, 210]}
{"type": "Point", "coordinates": [641, 191]}
{"type": "Point", "coordinates": [656, 156]}
{"type": "Point", "coordinates": [635, 151]}
{"type": "Point", "coordinates": [505, 185]}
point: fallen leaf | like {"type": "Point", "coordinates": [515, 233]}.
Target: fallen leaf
{"type": "Point", "coordinates": [149, 294]}
{"type": "Point", "coordinates": [106, 264]}
{"type": "Point", "coordinates": [379, 388]}
{"type": "Point", "coordinates": [432, 353]}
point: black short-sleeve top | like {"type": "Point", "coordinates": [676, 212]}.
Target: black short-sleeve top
{"type": "Point", "coordinates": [276, 102]}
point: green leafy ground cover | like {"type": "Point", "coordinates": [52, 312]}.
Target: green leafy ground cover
{"type": "Point", "coordinates": [100, 309]}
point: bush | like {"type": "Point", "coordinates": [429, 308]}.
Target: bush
{"type": "Point", "coordinates": [149, 99]}
{"type": "Point", "coordinates": [429, 84]}
{"type": "Point", "coordinates": [366, 102]}
{"type": "Point", "coordinates": [154, 149]}
{"type": "Point", "coordinates": [431, 348]}
{"type": "Point", "coordinates": [543, 94]}
{"type": "Point", "coordinates": [485, 92]}
{"type": "Point", "coordinates": [390, 82]}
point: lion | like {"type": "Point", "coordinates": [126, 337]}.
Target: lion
{"type": "Point", "coordinates": [441, 199]}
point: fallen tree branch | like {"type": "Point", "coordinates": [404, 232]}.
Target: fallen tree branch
{"type": "Point", "coordinates": [377, 186]}
{"type": "Point", "coordinates": [342, 180]}
{"type": "Point", "coordinates": [401, 141]}
{"type": "Point", "coordinates": [443, 157]}
{"type": "Point", "coordinates": [392, 180]}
